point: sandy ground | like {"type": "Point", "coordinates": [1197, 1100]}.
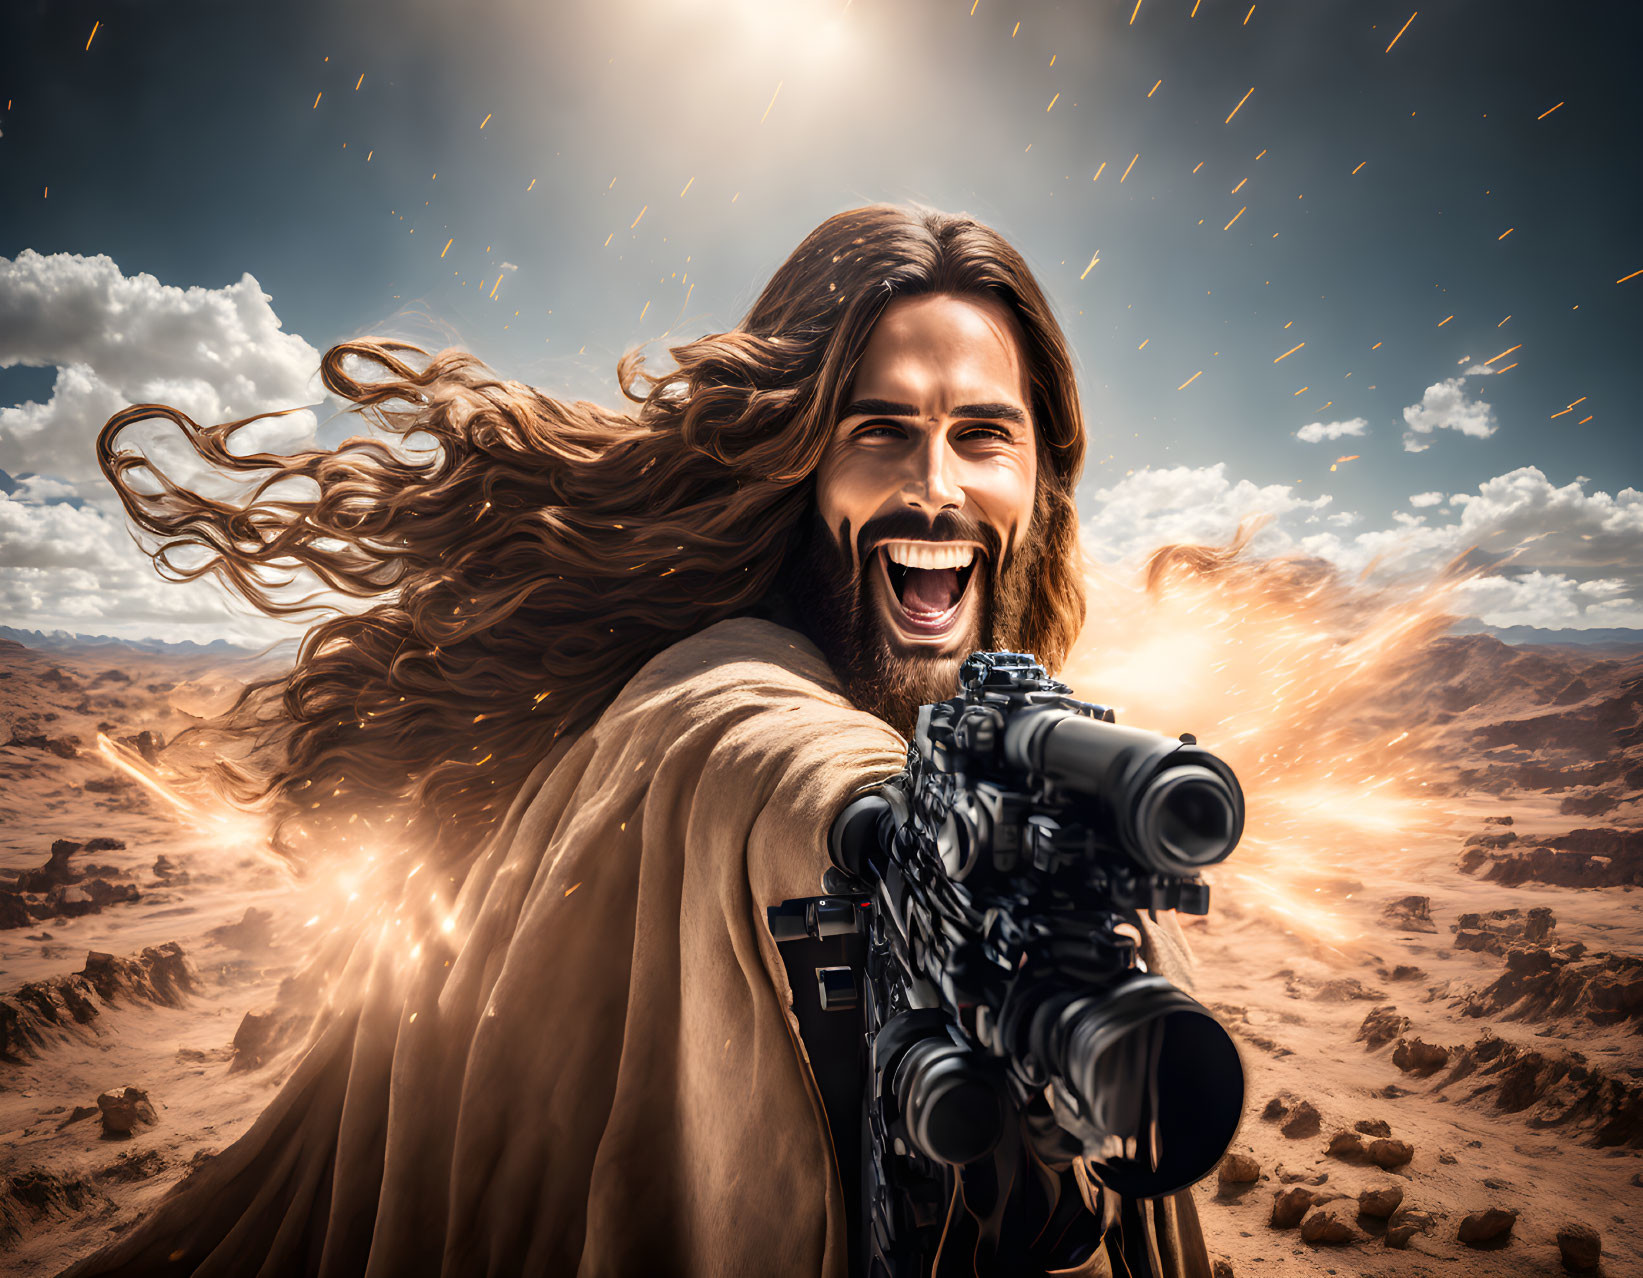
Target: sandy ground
{"type": "Point", "coordinates": [1286, 990]}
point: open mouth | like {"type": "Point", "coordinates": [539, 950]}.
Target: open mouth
{"type": "Point", "coordinates": [927, 586]}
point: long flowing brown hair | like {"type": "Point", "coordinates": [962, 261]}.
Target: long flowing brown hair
{"type": "Point", "coordinates": [526, 565]}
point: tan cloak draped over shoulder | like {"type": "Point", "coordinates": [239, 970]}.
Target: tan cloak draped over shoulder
{"type": "Point", "coordinates": [601, 1076]}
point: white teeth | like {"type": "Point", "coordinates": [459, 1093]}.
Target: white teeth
{"type": "Point", "coordinates": [927, 554]}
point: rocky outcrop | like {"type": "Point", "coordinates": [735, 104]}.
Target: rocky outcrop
{"type": "Point", "coordinates": [42, 1012]}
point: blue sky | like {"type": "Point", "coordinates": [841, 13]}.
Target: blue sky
{"type": "Point", "coordinates": [636, 169]}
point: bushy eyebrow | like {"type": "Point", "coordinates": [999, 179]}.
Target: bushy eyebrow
{"type": "Point", "coordinates": [888, 408]}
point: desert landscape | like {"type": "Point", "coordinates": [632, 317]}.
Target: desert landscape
{"type": "Point", "coordinates": [1439, 1017]}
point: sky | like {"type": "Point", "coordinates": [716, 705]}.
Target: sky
{"type": "Point", "coordinates": [1370, 269]}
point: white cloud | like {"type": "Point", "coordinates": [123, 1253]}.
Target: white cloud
{"type": "Point", "coordinates": [1562, 556]}
{"type": "Point", "coordinates": [1446, 406]}
{"type": "Point", "coordinates": [215, 354]}
{"type": "Point", "coordinates": [66, 557]}
{"type": "Point", "coordinates": [1317, 432]}
{"type": "Point", "coordinates": [1426, 499]}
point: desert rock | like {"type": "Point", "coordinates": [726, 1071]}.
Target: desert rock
{"type": "Point", "coordinates": [1580, 1246]}
{"type": "Point", "coordinates": [1325, 1225]}
{"type": "Point", "coordinates": [1289, 1205]}
{"type": "Point", "coordinates": [1483, 1227]}
{"type": "Point", "coordinates": [1390, 1153]}
{"type": "Point", "coordinates": [1381, 1202]}
{"type": "Point", "coordinates": [123, 1110]}
{"type": "Point", "coordinates": [1405, 1223]}
{"type": "Point", "coordinates": [1416, 1057]}
{"type": "Point", "coordinates": [1381, 1026]}
{"type": "Point", "coordinates": [1410, 914]}
{"type": "Point", "coordinates": [1348, 1145]}
{"type": "Point", "coordinates": [1238, 1169]}
{"type": "Point", "coordinates": [1372, 1127]}
{"type": "Point", "coordinates": [1303, 1120]}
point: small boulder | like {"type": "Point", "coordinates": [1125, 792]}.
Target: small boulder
{"type": "Point", "coordinates": [123, 1110]}
{"type": "Point", "coordinates": [1580, 1246]}
{"type": "Point", "coordinates": [1413, 1056]}
{"type": "Point", "coordinates": [76, 1114]}
{"type": "Point", "coordinates": [1484, 1227]}
{"type": "Point", "coordinates": [1372, 1127]}
{"type": "Point", "coordinates": [1221, 1269]}
{"type": "Point", "coordinates": [1410, 914]}
{"type": "Point", "coordinates": [1289, 1205]}
{"type": "Point", "coordinates": [1238, 1169]}
{"type": "Point", "coordinates": [1390, 1153]}
{"type": "Point", "coordinates": [1304, 1120]}
{"type": "Point", "coordinates": [1325, 1225]}
{"type": "Point", "coordinates": [1404, 1223]}
{"type": "Point", "coordinates": [1380, 1203]}
{"type": "Point", "coordinates": [1382, 1025]}
{"type": "Point", "coordinates": [1347, 1145]}
{"type": "Point", "coordinates": [14, 911]}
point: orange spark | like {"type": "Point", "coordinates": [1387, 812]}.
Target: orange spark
{"type": "Point", "coordinates": [487, 119]}
{"type": "Point", "coordinates": [578, 883]}
{"type": "Point", "coordinates": [609, 238]}
{"type": "Point", "coordinates": [447, 247]}
{"type": "Point", "coordinates": [1289, 352]}
{"type": "Point", "coordinates": [359, 82]}
{"type": "Point", "coordinates": [646, 308]}
{"type": "Point", "coordinates": [1504, 353]}
{"type": "Point", "coordinates": [1584, 420]}
{"type": "Point", "coordinates": [1508, 368]}
{"type": "Point", "coordinates": [1302, 391]}
{"type": "Point", "coordinates": [528, 188]}
{"type": "Point", "coordinates": [1354, 172]}
{"type": "Point", "coordinates": [1099, 172]}
{"type": "Point", "coordinates": [778, 92]}
{"type": "Point", "coordinates": [1401, 30]}
{"type": "Point", "coordinates": [1154, 89]}
{"type": "Point", "coordinates": [1013, 33]}
{"type": "Point", "coordinates": [1506, 232]}
{"type": "Point", "coordinates": [93, 34]}
{"type": "Point", "coordinates": [636, 220]}
{"type": "Point", "coordinates": [1190, 380]}
{"type": "Point", "coordinates": [1241, 100]}
{"type": "Point", "coordinates": [1195, 4]}
{"type": "Point", "coordinates": [1503, 322]}
{"type": "Point", "coordinates": [1235, 217]}
{"type": "Point", "coordinates": [1580, 401]}
{"type": "Point", "coordinates": [1135, 11]}
{"type": "Point", "coordinates": [1249, 15]}
{"type": "Point", "coordinates": [1143, 345]}
{"type": "Point", "coordinates": [1093, 261]}
{"type": "Point", "coordinates": [498, 285]}
{"type": "Point", "coordinates": [1131, 166]}
{"type": "Point", "coordinates": [1238, 188]}
{"type": "Point", "coordinates": [1547, 112]}
{"type": "Point", "coordinates": [1199, 165]}
{"type": "Point", "coordinates": [1445, 320]}
{"type": "Point", "coordinates": [317, 97]}
{"type": "Point", "coordinates": [1632, 276]}
{"type": "Point", "coordinates": [1053, 101]}
{"type": "Point", "coordinates": [687, 187]}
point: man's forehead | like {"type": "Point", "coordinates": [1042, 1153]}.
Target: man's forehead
{"type": "Point", "coordinates": [939, 350]}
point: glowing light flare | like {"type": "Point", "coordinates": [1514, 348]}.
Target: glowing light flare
{"type": "Point", "coordinates": [1241, 100]}
{"type": "Point", "coordinates": [1402, 29]}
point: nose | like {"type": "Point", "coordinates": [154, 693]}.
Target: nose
{"type": "Point", "coordinates": [932, 484]}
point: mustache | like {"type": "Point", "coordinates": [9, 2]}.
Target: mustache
{"type": "Point", "coordinates": [910, 525]}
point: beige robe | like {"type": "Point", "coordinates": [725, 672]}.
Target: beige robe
{"type": "Point", "coordinates": [603, 1076]}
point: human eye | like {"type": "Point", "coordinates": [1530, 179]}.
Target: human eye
{"type": "Point", "coordinates": [882, 429]}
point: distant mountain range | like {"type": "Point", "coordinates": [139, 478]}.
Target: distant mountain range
{"type": "Point", "coordinates": [63, 641]}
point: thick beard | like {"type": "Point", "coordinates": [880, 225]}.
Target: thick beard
{"type": "Point", "coordinates": [834, 605]}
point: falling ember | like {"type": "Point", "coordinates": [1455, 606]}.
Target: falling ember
{"type": "Point", "coordinates": [646, 308]}
{"type": "Point", "coordinates": [1504, 353]}
{"type": "Point", "coordinates": [1143, 345]}
{"type": "Point", "coordinates": [636, 220]}
{"type": "Point", "coordinates": [359, 82]}
{"type": "Point", "coordinates": [1508, 368]}
{"type": "Point", "coordinates": [1584, 420]}
{"type": "Point", "coordinates": [776, 95]}
{"type": "Point", "coordinates": [1506, 232]}
{"type": "Point", "coordinates": [1190, 380]}
{"type": "Point", "coordinates": [1093, 261]}
{"type": "Point", "coordinates": [447, 247]}
{"type": "Point", "coordinates": [1053, 101]}
{"type": "Point", "coordinates": [317, 97]}
{"type": "Point", "coordinates": [1342, 460]}
{"type": "Point", "coordinates": [687, 187]}
{"type": "Point", "coordinates": [1154, 89]}
{"type": "Point", "coordinates": [1303, 391]}
{"type": "Point", "coordinates": [486, 120]}
{"type": "Point", "coordinates": [1238, 188]}
{"type": "Point", "coordinates": [528, 189]}
{"type": "Point", "coordinates": [1377, 346]}
{"type": "Point", "coordinates": [1289, 352]}
{"type": "Point", "coordinates": [1241, 100]}
{"type": "Point", "coordinates": [1632, 276]}
{"type": "Point", "coordinates": [1361, 163]}
{"type": "Point", "coordinates": [1249, 15]}
{"type": "Point", "coordinates": [1135, 11]}
{"type": "Point", "coordinates": [1099, 172]}
{"type": "Point", "coordinates": [1445, 320]}
{"type": "Point", "coordinates": [1502, 324]}
{"type": "Point", "coordinates": [573, 887]}
{"type": "Point", "coordinates": [1195, 4]}
{"type": "Point", "coordinates": [1401, 30]}
{"type": "Point", "coordinates": [1132, 165]}
{"type": "Point", "coordinates": [1235, 217]}
{"type": "Point", "coordinates": [93, 34]}
{"type": "Point", "coordinates": [496, 286]}
{"type": "Point", "coordinates": [1547, 112]}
